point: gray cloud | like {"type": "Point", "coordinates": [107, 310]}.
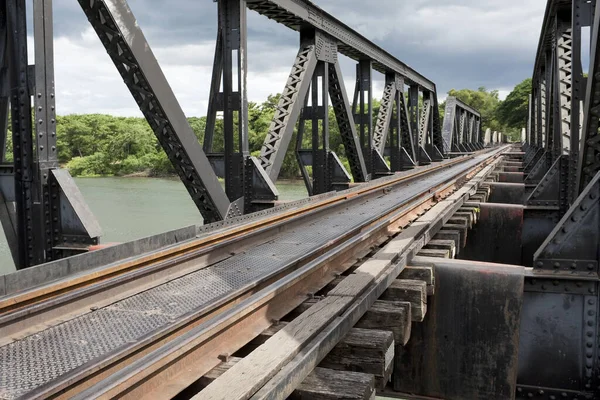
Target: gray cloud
{"type": "Point", "coordinates": [455, 43]}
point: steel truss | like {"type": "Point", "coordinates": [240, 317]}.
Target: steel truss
{"type": "Point", "coordinates": [42, 212]}
{"type": "Point", "coordinates": [45, 198]}
{"type": "Point", "coordinates": [461, 132]}
{"type": "Point", "coordinates": [558, 90]}
{"type": "Point", "coordinates": [393, 136]}
{"type": "Point", "coordinates": [562, 175]}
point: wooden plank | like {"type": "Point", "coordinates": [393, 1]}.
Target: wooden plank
{"type": "Point", "coordinates": [294, 372]}
{"type": "Point", "coordinates": [354, 284]}
{"type": "Point", "coordinates": [246, 377]}
{"type": "Point", "coordinates": [322, 383]}
{"type": "Point", "coordinates": [471, 210]}
{"type": "Point", "coordinates": [393, 316]}
{"type": "Point", "coordinates": [462, 229]}
{"type": "Point", "coordinates": [467, 215]}
{"type": "Point", "coordinates": [449, 245]}
{"type": "Point", "coordinates": [458, 220]}
{"type": "Point", "coordinates": [326, 384]}
{"type": "Point", "coordinates": [425, 274]}
{"type": "Point", "coordinates": [445, 234]}
{"type": "Point", "coordinates": [439, 253]}
{"type": "Point", "coordinates": [415, 292]}
{"type": "Point", "coordinates": [364, 350]}
{"type": "Point", "coordinates": [370, 351]}
{"type": "Point", "coordinates": [243, 379]}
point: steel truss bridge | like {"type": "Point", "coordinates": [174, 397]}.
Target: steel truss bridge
{"type": "Point", "coordinates": [445, 263]}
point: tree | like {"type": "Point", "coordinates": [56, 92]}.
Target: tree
{"type": "Point", "coordinates": [485, 102]}
{"type": "Point", "coordinates": [513, 112]}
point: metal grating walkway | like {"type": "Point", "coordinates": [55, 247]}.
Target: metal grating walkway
{"type": "Point", "coordinates": [44, 357]}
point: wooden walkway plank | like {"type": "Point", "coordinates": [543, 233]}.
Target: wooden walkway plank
{"type": "Point", "coordinates": [425, 274]}
{"type": "Point", "coordinates": [321, 384]}
{"type": "Point", "coordinates": [415, 292]}
{"type": "Point", "coordinates": [369, 351]}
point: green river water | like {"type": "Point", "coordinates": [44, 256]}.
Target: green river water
{"type": "Point", "coordinates": [133, 208]}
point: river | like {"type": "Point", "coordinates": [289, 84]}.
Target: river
{"type": "Point", "coordinates": [133, 208]}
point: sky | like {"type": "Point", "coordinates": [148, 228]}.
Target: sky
{"type": "Point", "coordinates": [455, 43]}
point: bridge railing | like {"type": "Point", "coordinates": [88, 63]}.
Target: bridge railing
{"type": "Point", "coordinates": [406, 133]}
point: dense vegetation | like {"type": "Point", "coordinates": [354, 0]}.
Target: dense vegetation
{"type": "Point", "coordinates": [95, 144]}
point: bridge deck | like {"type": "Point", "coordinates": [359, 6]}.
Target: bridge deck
{"type": "Point", "coordinates": [30, 364]}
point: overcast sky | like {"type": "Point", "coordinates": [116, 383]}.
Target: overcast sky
{"type": "Point", "coordinates": [456, 43]}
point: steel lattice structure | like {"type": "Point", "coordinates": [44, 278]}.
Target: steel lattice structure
{"type": "Point", "coordinates": [562, 223]}
{"type": "Point", "coordinates": [51, 219]}
{"type": "Point", "coordinates": [462, 127]}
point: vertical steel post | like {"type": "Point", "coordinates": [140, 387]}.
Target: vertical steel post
{"type": "Point", "coordinates": [46, 195]}
{"type": "Point", "coordinates": [4, 81]}
{"type": "Point", "coordinates": [232, 15]}
{"type": "Point", "coordinates": [320, 129]}
{"type": "Point", "coordinates": [363, 109]}
{"type": "Point", "coordinates": [30, 252]}
{"type": "Point", "coordinates": [577, 94]}
{"type": "Point", "coordinates": [215, 97]}
{"type": "Point", "coordinates": [414, 112]}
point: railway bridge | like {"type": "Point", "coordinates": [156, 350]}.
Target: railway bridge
{"type": "Point", "coordinates": [443, 263]}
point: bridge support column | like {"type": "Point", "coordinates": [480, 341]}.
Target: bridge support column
{"type": "Point", "coordinates": [559, 336]}
{"type": "Point", "coordinates": [476, 358]}
{"type": "Point", "coordinates": [43, 213]}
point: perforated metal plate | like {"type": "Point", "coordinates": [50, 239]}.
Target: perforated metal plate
{"type": "Point", "coordinates": [44, 357]}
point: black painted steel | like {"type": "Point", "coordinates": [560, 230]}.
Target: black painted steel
{"type": "Point", "coordinates": [462, 126]}
{"type": "Point", "coordinates": [125, 43]}
{"type": "Point", "coordinates": [559, 334]}
{"type": "Point", "coordinates": [36, 215]}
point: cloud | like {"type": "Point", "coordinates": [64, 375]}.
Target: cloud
{"type": "Point", "coordinates": [457, 44]}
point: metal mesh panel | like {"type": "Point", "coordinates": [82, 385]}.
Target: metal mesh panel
{"type": "Point", "coordinates": [43, 357]}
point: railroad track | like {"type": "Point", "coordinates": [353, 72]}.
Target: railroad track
{"type": "Point", "coordinates": [158, 322]}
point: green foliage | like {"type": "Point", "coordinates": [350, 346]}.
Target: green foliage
{"type": "Point", "coordinates": [486, 102]}
{"type": "Point", "coordinates": [508, 116]}
{"type": "Point", "coordinates": [513, 111]}
{"type": "Point", "coordinates": [96, 144]}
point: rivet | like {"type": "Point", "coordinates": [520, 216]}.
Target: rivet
{"type": "Point", "coordinates": [540, 264]}
{"type": "Point", "coordinates": [590, 266]}
{"type": "Point", "coordinates": [591, 302]}
{"type": "Point", "coordinates": [556, 265]}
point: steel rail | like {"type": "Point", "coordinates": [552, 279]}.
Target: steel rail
{"type": "Point", "coordinates": [20, 314]}
{"type": "Point", "coordinates": [140, 378]}
{"type": "Point", "coordinates": [320, 265]}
